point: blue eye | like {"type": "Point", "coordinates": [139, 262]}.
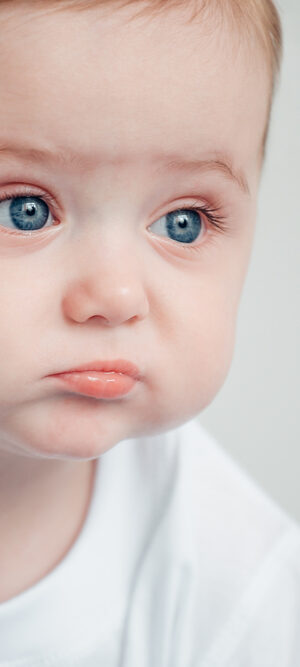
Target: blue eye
{"type": "Point", "coordinates": [26, 213]}
{"type": "Point", "coordinates": [183, 225]}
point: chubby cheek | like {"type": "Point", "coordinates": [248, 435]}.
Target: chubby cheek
{"type": "Point", "coordinates": [197, 356]}
{"type": "Point", "coordinates": [199, 329]}
{"type": "Point", "coordinates": [21, 332]}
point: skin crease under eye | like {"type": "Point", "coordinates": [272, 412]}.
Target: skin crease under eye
{"type": "Point", "coordinates": [85, 290]}
{"type": "Point", "coordinates": [15, 244]}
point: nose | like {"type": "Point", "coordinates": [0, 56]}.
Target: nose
{"type": "Point", "coordinates": [110, 290]}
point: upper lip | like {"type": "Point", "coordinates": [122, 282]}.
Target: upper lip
{"type": "Point", "coordinates": [116, 365]}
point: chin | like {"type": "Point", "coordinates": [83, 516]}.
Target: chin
{"type": "Point", "coordinates": [72, 428]}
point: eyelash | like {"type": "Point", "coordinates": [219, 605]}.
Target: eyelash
{"type": "Point", "coordinates": [218, 222]}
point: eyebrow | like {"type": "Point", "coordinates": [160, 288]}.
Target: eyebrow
{"type": "Point", "coordinates": [221, 162]}
{"type": "Point", "coordinates": [63, 157]}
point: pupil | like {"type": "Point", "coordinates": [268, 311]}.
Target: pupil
{"type": "Point", "coordinates": [30, 209]}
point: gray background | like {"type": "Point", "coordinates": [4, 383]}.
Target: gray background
{"type": "Point", "coordinates": [255, 414]}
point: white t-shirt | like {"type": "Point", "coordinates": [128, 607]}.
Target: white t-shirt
{"type": "Point", "coordinates": [183, 561]}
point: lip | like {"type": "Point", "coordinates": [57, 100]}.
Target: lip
{"type": "Point", "coordinates": [108, 366]}
{"type": "Point", "coordinates": [100, 379]}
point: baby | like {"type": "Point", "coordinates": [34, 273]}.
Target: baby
{"type": "Point", "coordinates": [131, 147]}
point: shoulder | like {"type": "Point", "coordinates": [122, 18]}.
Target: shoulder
{"type": "Point", "coordinates": [222, 559]}
{"type": "Point", "coordinates": [264, 625]}
{"type": "Point", "coordinates": [213, 480]}
{"type": "Point", "coordinates": [188, 476]}
{"type": "Point", "coordinates": [246, 557]}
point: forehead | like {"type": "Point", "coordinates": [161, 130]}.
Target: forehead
{"type": "Point", "coordinates": [127, 89]}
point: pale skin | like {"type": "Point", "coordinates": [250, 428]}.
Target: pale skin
{"type": "Point", "coordinates": [104, 281]}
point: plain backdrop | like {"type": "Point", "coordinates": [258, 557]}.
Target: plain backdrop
{"type": "Point", "coordinates": [255, 415]}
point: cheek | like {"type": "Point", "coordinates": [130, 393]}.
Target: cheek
{"type": "Point", "coordinates": [21, 329]}
{"type": "Point", "coordinates": [199, 351]}
{"type": "Point", "coordinates": [207, 347]}
{"type": "Point", "coordinates": [210, 332]}
{"type": "Point", "coordinates": [213, 355]}
{"type": "Point", "coordinates": [193, 371]}
{"type": "Point", "coordinates": [211, 340]}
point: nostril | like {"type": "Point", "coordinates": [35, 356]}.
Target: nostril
{"type": "Point", "coordinates": [100, 318]}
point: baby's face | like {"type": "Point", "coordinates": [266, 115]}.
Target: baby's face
{"type": "Point", "coordinates": [119, 264]}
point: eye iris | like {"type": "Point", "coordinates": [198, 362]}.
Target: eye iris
{"type": "Point", "coordinates": [184, 219]}
{"type": "Point", "coordinates": [28, 213]}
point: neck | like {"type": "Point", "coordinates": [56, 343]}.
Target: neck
{"type": "Point", "coordinates": [43, 504]}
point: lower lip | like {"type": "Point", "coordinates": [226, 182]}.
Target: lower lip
{"type": "Point", "coordinates": [97, 384]}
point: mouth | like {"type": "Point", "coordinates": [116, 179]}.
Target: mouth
{"type": "Point", "coordinates": [110, 366]}
{"type": "Point", "coordinates": [100, 379]}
